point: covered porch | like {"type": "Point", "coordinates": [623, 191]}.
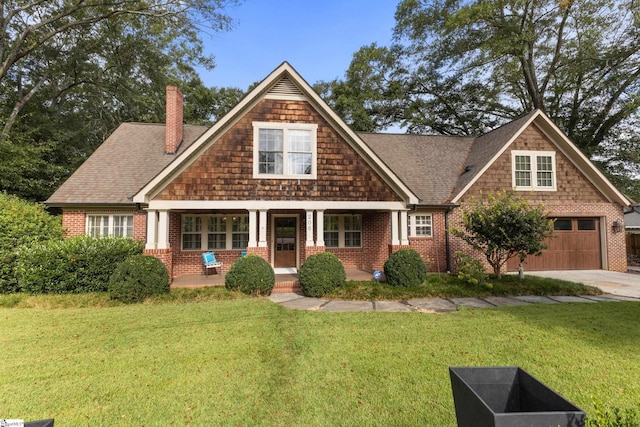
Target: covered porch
{"type": "Point", "coordinates": [284, 282]}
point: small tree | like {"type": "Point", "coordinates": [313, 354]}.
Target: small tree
{"type": "Point", "coordinates": [503, 227]}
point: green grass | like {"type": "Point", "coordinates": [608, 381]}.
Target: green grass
{"type": "Point", "coordinates": [250, 362]}
{"type": "Point", "coordinates": [449, 286]}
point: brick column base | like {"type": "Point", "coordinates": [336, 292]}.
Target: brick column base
{"type": "Point", "coordinates": [164, 255]}
{"type": "Point", "coordinates": [396, 248]}
{"type": "Point", "coordinates": [261, 252]}
{"type": "Point", "coordinates": [312, 250]}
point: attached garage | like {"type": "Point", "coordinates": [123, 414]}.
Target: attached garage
{"type": "Point", "coordinates": [576, 245]}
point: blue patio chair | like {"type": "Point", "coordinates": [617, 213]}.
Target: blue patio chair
{"type": "Point", "coordinates": [243, 253]}
{"type": "Point", "coordinates": [209, 261]}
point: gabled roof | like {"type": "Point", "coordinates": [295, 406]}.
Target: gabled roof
{"type": "Point", "coordinates": [129, 158]}
{"type": "Point", "coordinates": [283, 83]}
{"type": "Point", "coordinates": [487, 148]}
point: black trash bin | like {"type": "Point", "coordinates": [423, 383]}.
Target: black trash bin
{"type": "Point", "coordinates": [508, 396]}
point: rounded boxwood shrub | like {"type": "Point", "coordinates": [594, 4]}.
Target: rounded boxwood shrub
{"type": "Point", "coordinates": [250, 275]}
{"type": "Point", "coordinates": [138, 277]}
{"type": "Point", "coordinates": [320, 274]}
{"type": "Point", "coordinates": [405, 268]}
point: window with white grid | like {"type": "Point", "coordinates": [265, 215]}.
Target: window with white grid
{"type": "Point", "coordinates": [534, 170]}
{"type": "Point", "coordinates": [420, 225]}
{"type": "Point", "coordinates": [284, 150]}
{"type": "Point", "coordinates": [214, 232]}
{"type": "Point", "coordinates": [109, 225]}
{"type": "Point", "coordinates": [343, 231]}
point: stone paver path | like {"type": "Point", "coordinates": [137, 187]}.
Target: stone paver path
{"type": "Point", "coordinates": [430, 305]}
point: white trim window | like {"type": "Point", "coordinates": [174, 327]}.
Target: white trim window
{"type": "Point", "coordinates": [214, 232]}
{"type": "Point", "coordinates": [109, 225]}
{"type": "Point", "coordinates": [534, 170]}
{"type": "Point", "coordinates": [420, 225]}
{"type": "Point", "coordinates": [284, 150]}
{"type": "Point", "coordinates": [343, 231]}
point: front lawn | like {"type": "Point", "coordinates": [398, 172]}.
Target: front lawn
{"type": "Point", "coordinates": [250, 362]}
{"type": "Point", "coordinates": [449, 286]}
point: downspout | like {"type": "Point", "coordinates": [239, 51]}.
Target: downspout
{"type": "Point", "coordinates": [446, 239]}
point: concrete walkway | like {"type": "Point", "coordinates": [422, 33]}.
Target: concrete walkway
{"type": "Point", "coordinates": [611, 282]}
{"type": "Point", "coordinates": [429, 305]}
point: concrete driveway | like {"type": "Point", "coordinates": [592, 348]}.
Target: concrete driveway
{"type": "Point", "coordinates": [624, 284]}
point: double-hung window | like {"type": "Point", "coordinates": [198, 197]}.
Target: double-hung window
{"type": "Point", "coordinates": [103, 225]}
{"type": "Point", "coordinates": [343, 231]}
{"type": "Point", "coordinates": [284, 150]}
{"type": "Point", "coordinates": [534, 170]}
{"type": "Point", "coordinates": [420, 225]}
{"type": "Point", "coordinates": [214, 232]}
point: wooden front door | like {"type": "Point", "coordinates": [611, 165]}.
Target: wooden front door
{"type": "Point", "coordinates": [285, 242]}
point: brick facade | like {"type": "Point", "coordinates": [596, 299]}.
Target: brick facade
{"type": "Point", "coordinates": [74, 221]}
{"type": "Point", "coordinates": [575, 196]}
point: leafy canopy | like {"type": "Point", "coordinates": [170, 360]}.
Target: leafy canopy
{"type": "Point", "coordinates": [504, 226]}
{"type": "Point", "coordinates": [463, 67]}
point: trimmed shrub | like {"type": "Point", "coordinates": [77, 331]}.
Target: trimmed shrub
{"type": "Point", "coordinates": [75, 265]}
{"type": "Point", "coordinates": [138, 277]}
{"type": "Point", "coordinates": [471, 271]}
{"type": "Point", "coordinates": [250, 275]}
{"type": "Point", "coordinates": [22, 224]}
{"type": "Point", "coordinates": [320, 274]}
{"type": "Point", "coordinates": [405, 268]}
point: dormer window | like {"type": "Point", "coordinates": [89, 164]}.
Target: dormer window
{"type": "Point", "coordinates": [534, 170]}
{"type": "Point", "coordinates": [284, 150]}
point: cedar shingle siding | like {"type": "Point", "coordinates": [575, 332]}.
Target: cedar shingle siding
{"type": "Point", "coordinates": [225, 170]}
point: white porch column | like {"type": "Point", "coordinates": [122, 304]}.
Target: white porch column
{"type": "Point", "coordinates": [152, 229]}
{"type": "Point", "coordinates": [163, 229]}
{"type": "Point", "coordinates": [319, 228]}
{"type": "Point", "coordinates": [262, 239]}
{"type": "Point", "coordinates": [404, 235]}
{"type": "Point", "coordinates": [394, 228]}
{"type": "Point", "coordinates": [309, 224]}
{"type": "Point", "coordinates": [253, 228]}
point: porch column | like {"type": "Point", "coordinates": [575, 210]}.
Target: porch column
{"type": "Point", "coordinates": [152, 229]}
{"type": "Point", "coordinates": [309, 224]}
{"type": "Point", "coordinates": [319, 228]}
{"type": "Point", "coordinates": [262, 239]}
{"type": "Point", "coordinates": [395, 241]}
{"type": "Point", "coordinates": [404, 236]}
{"type": "Point", "coordinates": [163, 229]}
{"type": "Point", "coordinates": [253, 228]}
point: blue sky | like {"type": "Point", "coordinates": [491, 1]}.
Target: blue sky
{"type": "Point", "coordinates": [318, 38]}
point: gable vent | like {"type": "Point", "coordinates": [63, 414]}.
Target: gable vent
{"type": "Point", "coordinates": [285, 87]}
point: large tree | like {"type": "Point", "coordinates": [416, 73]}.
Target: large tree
{"type": "Point", "coordinates": [71, 71]}
{"type": "Point", "coordinates": [466, 66]}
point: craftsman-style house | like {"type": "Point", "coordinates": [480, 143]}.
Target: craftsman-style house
{"type": "Point", "coordinates": [282, 176]}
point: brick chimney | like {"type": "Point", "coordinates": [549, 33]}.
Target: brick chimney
{"type": "Point", "coordinates": [173, 129]}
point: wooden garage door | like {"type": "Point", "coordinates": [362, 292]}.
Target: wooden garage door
{"type": "Point", "coordinates": [575, 246]}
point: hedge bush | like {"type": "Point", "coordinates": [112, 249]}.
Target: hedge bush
{"type": "Point", "coordinates": [320, 274]}
{"type": "Point", "coordinates": [22, 224]}
{"type": "Point", "coordinates": [138, 277]}
{"type": "Point", "coordinates": [251, 275]}
{"type": "Point", "coordinates": [405, 268]}
{"type": "Point", "coordinates": [75, 265]}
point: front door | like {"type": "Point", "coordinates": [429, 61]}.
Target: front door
{"type": "Point", "coordinates": [285, 242]}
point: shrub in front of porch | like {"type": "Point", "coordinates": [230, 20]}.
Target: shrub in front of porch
{"type": "Point", "coordinates": [405, 268]}
{"type": "Point", "coordinates": [138, 277]}
{"type": "Point", "coordinates": [250, 275]}
{"type": "Point", "coordinates": [320, 274]}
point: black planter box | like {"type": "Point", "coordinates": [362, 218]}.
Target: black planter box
{"type": "Point", "coordinates": [40, 423]}
{"type": "Point", "coordinates": [508, 396]}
